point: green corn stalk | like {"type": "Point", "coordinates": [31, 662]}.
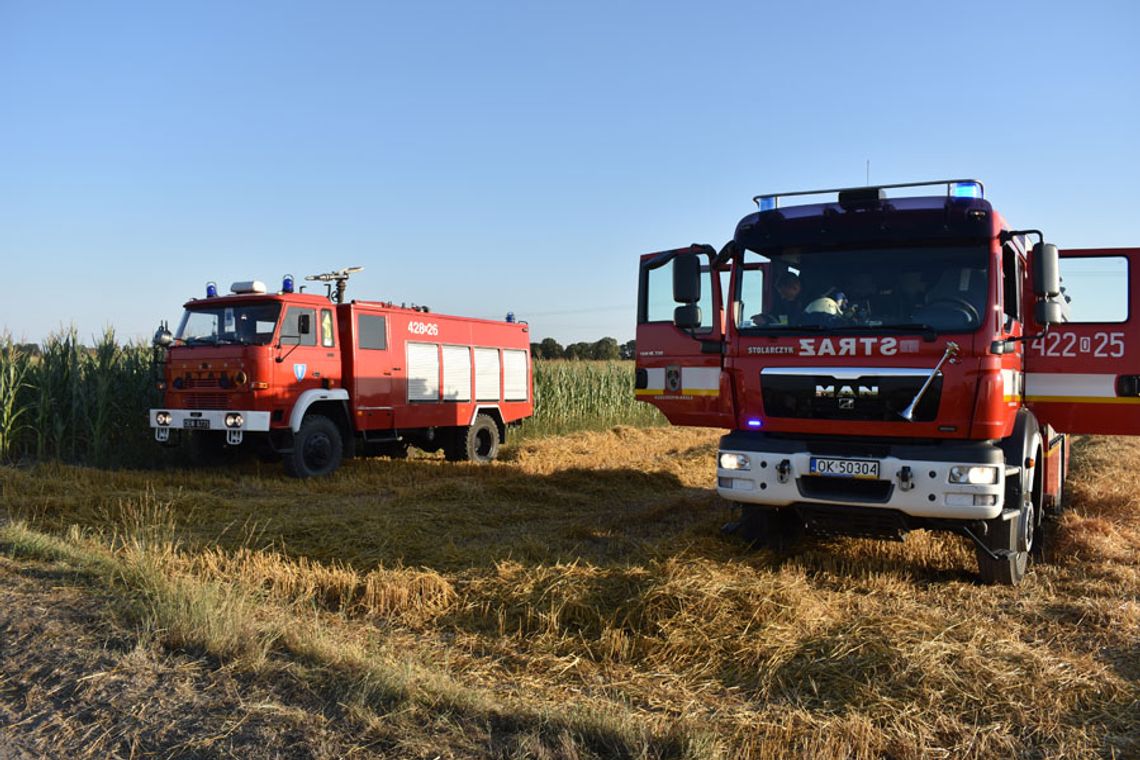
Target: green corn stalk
{"type": "Point", "coordinates": [14, 365]}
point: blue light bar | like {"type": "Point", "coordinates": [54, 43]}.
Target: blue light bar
{"type": "Point", "coordinates": [755, 423]}
{"type": "Point", "coordinates": [211, 289]}
{"type": "Point", "coordinates": [287, 284]}
{"type": "Point", "coordinates": [768, 203]}
{"type": "Point", "coordinates": [966, 190]}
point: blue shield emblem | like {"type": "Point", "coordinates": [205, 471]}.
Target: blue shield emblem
{"type": "Point", "coordinates": [299, 371]}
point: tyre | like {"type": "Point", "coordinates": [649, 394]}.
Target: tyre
{"type": "Point", "coordinates": [317, 448]}
{"type": "Point", "coordinates": [1015, 539]}
{"type": "Point", "coordinates": [477, 443]}
{"type": "Point", "coordinates": [1004, 538]}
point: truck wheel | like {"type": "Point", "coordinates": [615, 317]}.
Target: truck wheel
{"type": "Point", "coordinates": [477, 443]}
{"type": "Point", "coordinates": [1013, 539]}
{"type": "Point", "coordinates": [317, 448]}
{"type": "Point", "coordinates": [1003, 537]}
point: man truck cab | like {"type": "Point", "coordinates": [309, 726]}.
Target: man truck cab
{"type": "Point", "coordinates": [924, 376]}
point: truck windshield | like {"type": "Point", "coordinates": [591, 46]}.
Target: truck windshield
{"type": "Point", "coordinates": [914, 288]}
{"type": "Point", "coordinates": [244, 324]}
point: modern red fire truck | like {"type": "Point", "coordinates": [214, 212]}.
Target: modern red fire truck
{"type": "Point", "coordinates": [312, 379]}
{"type": "Point", "coordinates": [892, 363]}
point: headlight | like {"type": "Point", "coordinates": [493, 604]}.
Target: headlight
{"type": "Point", "coordinates": [730, 461]}
{"type": "Point", "coordinates": [162, 418]}
{"type": "Point", "coordinates": [234, 420]}
{"type": "Point", "coordinates": [978, 476]}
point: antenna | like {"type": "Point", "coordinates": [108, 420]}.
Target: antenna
{"type": "Point", "coordinates": [340, 277]}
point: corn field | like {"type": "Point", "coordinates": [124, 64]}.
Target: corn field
{"type": "Point", "coordinates": [573, 395]}
{"type": "Point", "coordinates": [76, 403]}
{"type": "Point", "coordinates": [88, 404]}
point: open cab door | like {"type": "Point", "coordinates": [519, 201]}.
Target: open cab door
{"type": "Point", "coordinates": [680, 337]}
{"type": "Point", "coordinates": [1083, 375]}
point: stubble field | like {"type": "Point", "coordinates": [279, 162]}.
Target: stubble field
{"type": "Point", "coordinates": [575, 600]}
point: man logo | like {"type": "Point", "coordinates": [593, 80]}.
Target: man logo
{"type": "Point", "coordinates": [299, 371]}
{"type": "Point", "coordinates": [673, 379]}
{"type": "Point", "coordinates": [846, 395]}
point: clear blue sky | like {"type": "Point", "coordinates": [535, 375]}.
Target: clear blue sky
{"type": "Point", "coordinates": [486, 157]}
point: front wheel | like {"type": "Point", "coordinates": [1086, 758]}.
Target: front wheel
{"type": "Point", "coordinates": [317, 448]}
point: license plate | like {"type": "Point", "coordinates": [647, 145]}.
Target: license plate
{"type": "Point", "coordinates": [196, 424]}
{"type": "Point", "coordinates": [845, 468]}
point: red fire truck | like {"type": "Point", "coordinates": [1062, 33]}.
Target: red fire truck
{"type": "Point", "coordinates": [312, 379]}
{"type": "Point", "coordinates": [886, 364]}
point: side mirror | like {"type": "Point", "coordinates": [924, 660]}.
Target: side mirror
{"type": "Point", "coordinates": [1046, 271]}
{"type": "Point", "coordinates": [687, 278]}
{"type": "Point", "coordinates": [304, 324]}
{"type": "Point", "coordinates": [687, 317]}
{"type": "Point", "coordinates": [1049, 313]}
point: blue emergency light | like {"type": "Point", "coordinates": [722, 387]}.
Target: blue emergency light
{"type": "Point", "coordinates": [754, 423]}
{"type": "Point", "coordinates": [768, 203]}
{"type": "Point", "coordinates": [287, 284]}
{"type": "Point", "coordinates": [966, 190]}
{"type": "Point", "coordinates": [211, 289]}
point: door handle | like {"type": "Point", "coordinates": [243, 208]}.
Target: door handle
{"type": "Point", "coordinates": [1128, 385]}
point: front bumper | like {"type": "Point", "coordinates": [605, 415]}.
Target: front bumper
{"type": "Point", "coordinates": [913, 479]}
{"type": "Point", "coordinates": [207, 420]}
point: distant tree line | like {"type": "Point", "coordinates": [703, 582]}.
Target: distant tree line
{"type": "Point", "coordinates": [606, 348]}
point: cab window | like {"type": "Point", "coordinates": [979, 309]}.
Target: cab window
{"type": "Point", "coordinates": [299, 327]}
{"type": "Point", "coordinates": [657, 302]}
{"type": "Point", "coordinates": [1096, 288]}
{"type": "Point", "coordinates": [328, 340]}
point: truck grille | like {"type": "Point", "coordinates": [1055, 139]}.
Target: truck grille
{"type": "Point", "coordinates": [870, 397]}
{"type": "Point", "coordinates": [193, 383]}
{"type": "Point", "coordinates": [845, 489]}
{"type": "Point", "coordinates": [205, 400]}
{"type": "Point", "coordinates": [853, 521]}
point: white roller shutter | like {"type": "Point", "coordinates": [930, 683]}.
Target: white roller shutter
{"type": "Point", "coordinates": [515, 385]}
{"type": "Point", "coordinates": [486, 374]}
{"type": "Point", "coordinates": [456, 373]}
{"type": "Point", "coordinates": [423, 372]}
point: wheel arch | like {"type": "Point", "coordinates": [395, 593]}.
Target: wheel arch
{"type": "Point", "coordinates": [492, 411]}
{"type": "Point", "coordinates": [333, 403]}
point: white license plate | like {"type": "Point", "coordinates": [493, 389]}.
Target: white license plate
{"type": "Point", "coordinates": [845, 468]}
{"type": "Point", "coordinates": [196, 424]}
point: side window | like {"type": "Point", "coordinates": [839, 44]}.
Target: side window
{"type": "Point", "coordinates": [657, 298]}
{"type": "Point", "coordinates": [328, 340]}
{"type": "Point", "coordinates": [1096, 288]}
{"type": "Point", "coordinates": [372, 331]}
{"type": "Point", "coordinates": [1011, 279]}
{"type": "Point", "coordinates": [293, 323]}
{"type": "Point", "coordinates": [748, 305]}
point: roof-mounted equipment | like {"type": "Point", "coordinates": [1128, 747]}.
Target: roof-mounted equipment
{"type": "Point", "coordinates": [340, 277]}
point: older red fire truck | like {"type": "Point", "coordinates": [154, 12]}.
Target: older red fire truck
{"type": "Point", "coordinates": [312, 379]}
{"type": "Point", "coordinates": [892, 363]}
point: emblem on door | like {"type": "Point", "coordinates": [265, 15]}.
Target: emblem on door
{"type": "Point", "coordinates": [299, 371]}
{"type": "Point", "coordinates": [673, 379]}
